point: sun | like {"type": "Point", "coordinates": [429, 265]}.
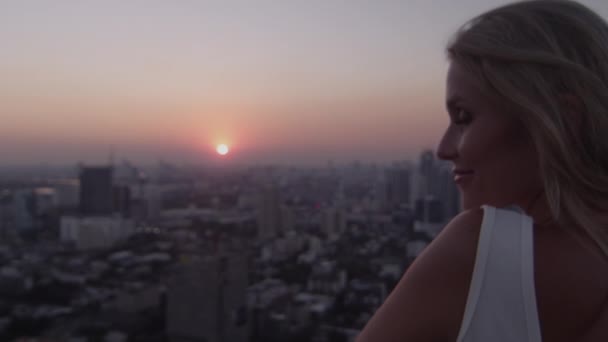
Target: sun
{"type": "Point", "coordinates": [222, 149]}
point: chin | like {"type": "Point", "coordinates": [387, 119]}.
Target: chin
{"type": "Point", "coordinates": [471, 203]}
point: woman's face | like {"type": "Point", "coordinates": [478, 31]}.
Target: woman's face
{"type": "Point", "coordinates": [494, 160]}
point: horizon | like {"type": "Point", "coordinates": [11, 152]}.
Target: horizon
{"type": "Point", "coordinates": [297, 83]}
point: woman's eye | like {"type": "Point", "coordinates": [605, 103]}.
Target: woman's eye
{"type": "Point", "coordinates": [461, 117]}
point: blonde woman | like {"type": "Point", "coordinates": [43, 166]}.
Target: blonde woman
{"type": "Point", "coordinates": [527, 260]}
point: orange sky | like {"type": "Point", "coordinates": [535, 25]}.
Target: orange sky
{"type": "Point", "coordinates": [278, 81]}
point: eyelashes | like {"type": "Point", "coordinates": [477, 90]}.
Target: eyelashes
{"type": "Point", "coordinates": [461, 116]}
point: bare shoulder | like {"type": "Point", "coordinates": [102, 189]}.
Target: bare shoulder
{"type": "Point", "coordinates": [432, 294]}
{"type": "Point", "coordinates": [455, 246]}
{"type": "Point", "coordinates": [464, 227]}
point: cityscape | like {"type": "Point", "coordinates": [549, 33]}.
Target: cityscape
{"type": "Point", "coordinates": [219, 171]}
{"type": "Point", "coordinates": [184, 253]}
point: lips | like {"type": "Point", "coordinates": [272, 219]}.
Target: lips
{"type": "Point", "coordinates": [462, 176]}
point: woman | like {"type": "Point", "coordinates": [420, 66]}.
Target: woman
{"type": "Point", "coordinates": [527, 96]}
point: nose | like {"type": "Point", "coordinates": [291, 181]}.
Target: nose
{"type": "Point", "coordinates": [447, 149]}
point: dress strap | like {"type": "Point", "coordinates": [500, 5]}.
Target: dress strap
{"type": "Point", "coordinates": [501, 303]}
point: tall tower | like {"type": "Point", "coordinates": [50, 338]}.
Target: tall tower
{"type": "Point", "coordinates": [206, 300]}
{"type": "Point", "coordinates": [96, 195]}
{"type": "Point", "coordinates": [427, 173]}
{"type": "Point", "coordinates": [334, 221]}
{"type": "Point", "coordinates": [448, 192]}
{"type": "Point", "coordinates": [397, 186]}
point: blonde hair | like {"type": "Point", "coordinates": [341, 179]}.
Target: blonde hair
{"type": "Point", "coordinates": [549, 58]}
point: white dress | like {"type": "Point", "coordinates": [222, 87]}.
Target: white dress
{"type": "Point", "coordinates": [501, 304]}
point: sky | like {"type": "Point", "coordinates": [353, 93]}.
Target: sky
{"type": "Point", "coordinates": [279, 81]}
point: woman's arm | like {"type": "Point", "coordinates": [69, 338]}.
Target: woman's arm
{"type": "Point", "coordinates": [428, 302]}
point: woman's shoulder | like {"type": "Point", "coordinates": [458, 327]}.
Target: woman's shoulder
{"type": "Point", "coordinates": [433, 291]}
{"type": "Point", "coordinates": [452, 253]}
{"type": "Point", "coordinates": [458, 240]}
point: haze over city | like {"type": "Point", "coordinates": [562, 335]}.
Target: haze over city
{"type": "Point", "coordinates": [277, 81]}
{"type": "Point", "coordinates": [260, 171]}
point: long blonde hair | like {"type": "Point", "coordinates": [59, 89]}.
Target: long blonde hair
{"type": "Point", "coordinates": [549, 58]}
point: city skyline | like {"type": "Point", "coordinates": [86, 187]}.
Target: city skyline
{"type": "Point", "coordinates": [279, 82]}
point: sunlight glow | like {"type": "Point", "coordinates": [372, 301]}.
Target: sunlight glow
{"type": "Point", "coordinates": [222, 149]}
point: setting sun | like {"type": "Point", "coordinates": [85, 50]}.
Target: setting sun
{"type": "Point", "coordinates": [222, 149]}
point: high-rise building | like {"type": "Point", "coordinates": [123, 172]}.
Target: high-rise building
{"type": "Point", "coordinates": [95, 232]}
{"type": "Point", "coordinates": [45, 200]}
{"type": "Point", "coordinates": [206, 300]}
{"type": "Point", "coordinates": [427, 170]}
{"type": "Point", "coordinates": [397, 186]}
{"type": "Point", "coordinates": [68, 192]}
{"type": "Point", "coordinates": [334, 221]}
{"type": "Point", "coordinates": [429, 210]}
{"type": "Point", "coordinates": [24, 202]}
{"type": "Point", "coordinates": [96, 194]}
{"type": "Point", "coordinates": [427, 161]}
{"type": "Point", "coordinates": [121, 200]}
{"type": "Point", "coordinates": [435, 179]}
{"type": "Point", "coordinates": [269, 213]}
{"type": "Point", "coordinates": [448, 192]}
{"type": "Point", "coordinates": [126, 173]}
